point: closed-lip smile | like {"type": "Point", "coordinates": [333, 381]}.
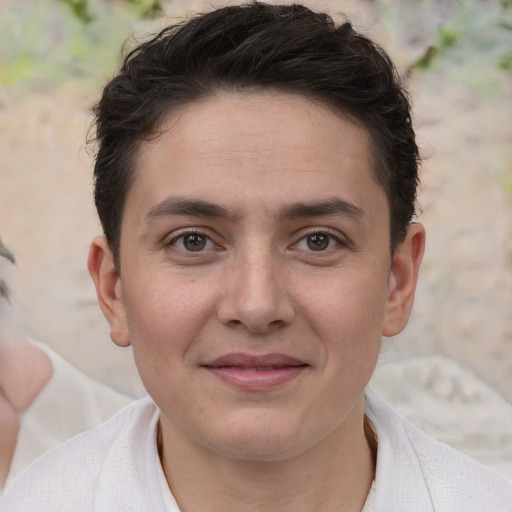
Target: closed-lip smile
{"type": "Point", "coordinates": [256, 372]}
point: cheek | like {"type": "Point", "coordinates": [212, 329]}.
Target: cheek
{"type": "Point", "coordinates": [348, 308]}
{"type": "Point", "coordinates": [348, 318]}
{"type": "Point", "coordinates": [164, 318]}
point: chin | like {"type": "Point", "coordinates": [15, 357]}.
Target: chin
{"type": "Point", "coordinates": [259, 450]}
{"type": "Point", "coordinates": [256, 440]}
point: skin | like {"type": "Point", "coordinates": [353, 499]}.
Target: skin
{"type": "Point", "coordinates": [279, 195]}
{"type": "Point", "coordinates": [9, 427]}
{"type": "Point", "coordinates": [24, 370]}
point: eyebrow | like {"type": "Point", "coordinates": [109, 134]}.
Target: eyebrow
{"type": "Point", "coordinates": [200, 208]}
{"type": "Point", "coordinates": [332, 206]}
{"type": "Point", "coordinates": [189, 207]}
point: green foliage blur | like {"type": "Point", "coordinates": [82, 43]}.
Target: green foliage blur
{"type": "Point", "coordinates": [44, 43]}
{"type": "Point", "coordinates": [76, 42]}
{"type": "Point", "coordinates": [82, 8]}
{"type": "Point", "coordinates": [475, 41]}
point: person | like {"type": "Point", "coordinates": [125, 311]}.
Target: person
{"type": "Point", "coordinates": [44, 400]}
{"type": "Point", "coordinates": [256, 180]}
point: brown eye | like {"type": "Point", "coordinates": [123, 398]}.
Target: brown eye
{"type": "Point", "coordinates": [194, 242]}
{"type": "Point", "coordinates": [318, 241]}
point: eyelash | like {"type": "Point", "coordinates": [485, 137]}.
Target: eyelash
{"type": "Point", "coordinates": [189, 233]}
{"type": "Point", "coordinates": [325, 232]}
{"type": "Point", "coordinates": [304, 238]}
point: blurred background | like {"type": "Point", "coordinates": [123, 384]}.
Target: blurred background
{"type": "Point", "coordinates": [456, 56]}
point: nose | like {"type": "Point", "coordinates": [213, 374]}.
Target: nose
{"type": "Point", "coordinates": [257, 294]}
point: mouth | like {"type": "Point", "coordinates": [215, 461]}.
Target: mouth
{"type": "Point", "coordinates": [256, 373]}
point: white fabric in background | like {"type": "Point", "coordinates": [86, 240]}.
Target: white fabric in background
{"type": "Point", "coordinates": [114, 468]}
{"type": "Point", "coordinates": [69, 404]}
{"type": "Point", "coordinates": [449, 402]}
{"type": "Point", "coordinates": [417, 473]}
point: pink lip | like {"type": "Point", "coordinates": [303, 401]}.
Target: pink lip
{"type": "Point", "coordinates": [249, 372]}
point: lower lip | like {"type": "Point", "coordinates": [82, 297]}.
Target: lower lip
{"type": "Point", "coordinates": [257, 380]}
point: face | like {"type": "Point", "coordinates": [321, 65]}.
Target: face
{"type": "Point", "coordinates": [256, 278]}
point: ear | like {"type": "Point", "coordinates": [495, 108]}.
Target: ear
{"type": "Point", "coordinates": [109, 289]}
{"type": "Point", "coordinates": [403, 278]}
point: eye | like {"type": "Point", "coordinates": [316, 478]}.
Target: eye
{"type": "Point", "coordinates": [318, 241]}
{"type": "Point", "coordinates": [192, 242]}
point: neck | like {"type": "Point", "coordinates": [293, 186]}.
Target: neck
{"type": "Point", "coordinates": [333, 475]}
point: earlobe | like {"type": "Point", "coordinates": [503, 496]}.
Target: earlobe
{"type": "Point", "coordinates": [108, 289]}
{"type": "Point", "coordinates": [403, 279]}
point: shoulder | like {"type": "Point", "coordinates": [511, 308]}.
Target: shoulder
{"type": "Point", "coordinates": [417, 472]}
{"type": "Point", "coordinates": [71, 476]}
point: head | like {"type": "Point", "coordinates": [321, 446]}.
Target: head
{"type": "Point", "coordinates": [256, 165]}
{"type": "Point", "coordinates": [24, 369]}
{"type": "Point", "coordinates": [256, 47]}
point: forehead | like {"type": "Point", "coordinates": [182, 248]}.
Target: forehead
{"type": "Point", "coordinates": [259, 148]}
{"type": "Point", "coordinates": [286, 119]}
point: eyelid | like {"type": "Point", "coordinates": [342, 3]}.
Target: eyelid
{"type": "Point", "coordinates": [334, 234]}
{"type": "Point", "coordinates": [175, 235]}
{"type": "Point", "coordinates": [180, 233]}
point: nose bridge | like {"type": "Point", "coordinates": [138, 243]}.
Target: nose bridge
{"type": "Point", "coordinates": [257, 294]}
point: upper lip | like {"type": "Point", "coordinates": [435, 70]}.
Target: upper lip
{"type": "Point", "coordinates": [242, 360]}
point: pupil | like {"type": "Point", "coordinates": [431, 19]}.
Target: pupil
{"type": "Point", "coordinates": [194, 242]}
{"type": "Point", "coordinates": [318, 242]}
